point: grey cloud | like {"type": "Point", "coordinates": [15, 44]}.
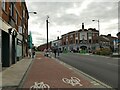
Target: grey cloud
{"type": "Point", "coordinates": [112, 27]}
{"type": "Point", "coordinates": [99, 10]}
{"type": "Point", "coordinates": [35, 33]}
{"type": "Point", "coordinates": [53, 37]}
{"type": "Point", "coordinates": [39, 42]}
{"type": "Point", "coordinates": [94, 10]}
{"type": "Point", "coordinates": [41, 38]}
{"type": "Point", "coordinates": [51, 9]}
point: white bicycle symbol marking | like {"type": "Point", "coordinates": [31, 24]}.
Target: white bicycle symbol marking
{"type": "Point", "coordinates": [72, 81]}
{"type": "Point", "coordinates": [38, 86]}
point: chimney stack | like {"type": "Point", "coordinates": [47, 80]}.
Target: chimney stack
{"type": "Point", "coordinates": [58, 38]}
{"type": "Point", "coordinates": [82, 25]}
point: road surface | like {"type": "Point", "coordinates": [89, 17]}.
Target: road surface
{"type": "Point", "coordinates": [101, 68]}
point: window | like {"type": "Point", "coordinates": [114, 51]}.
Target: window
{"type": "Point", "coordinates": [76, 41]}
{"type": "Point", "coordinates": [23, 13]}
{"type": "Point", "coordinates": [90, 41]}
{"type": "Point", "coordinates": [20, 3]}
{"type": "Point", "coordinates": [76, 34]}
{"type": "Point", "coordinates": [16, 17]}
{"type": "Point", "coordinates": [64, 43]}
{"type": "Point", "coordinates": [93, 34]}
{"type": "Point", "coordinates": [11, 9]}
{"type": "Point", "coordinates": [71, 41]}
{"type": "Point", "coordinates": [96, 41]}
{"type": "Point", "coordinates": [66, 38]}
{"type": "Point", "coordinates": [71, 36]}
{"type": "Point", "coordinates": [3, 5]}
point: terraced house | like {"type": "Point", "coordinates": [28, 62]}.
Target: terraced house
{"type": "Point", "coordinates": [13, 31]}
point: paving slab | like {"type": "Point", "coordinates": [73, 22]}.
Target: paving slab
{"type": "Point", "coordinates": [13, 75]}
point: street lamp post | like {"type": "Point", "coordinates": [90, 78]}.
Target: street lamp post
{"type": "Point", "coordinates": [98, 24]}
{"type": "Point", "coordinates": [33, 12]}
{"type": "Point", "coordinates": [47, 30]}
{"type": "Point", "coordinates": [28, 38]}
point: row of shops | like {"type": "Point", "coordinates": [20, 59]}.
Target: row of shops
{"type": "Point", "coordinates": [11, 45]}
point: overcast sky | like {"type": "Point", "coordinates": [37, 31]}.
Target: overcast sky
{"type": "Point", "coordinates": [68, 15]}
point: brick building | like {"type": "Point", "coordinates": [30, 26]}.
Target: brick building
{"type": "Point", "coordinates": [44, 46]}
{"type": "Point", "coordinates": [13, 31]}
{"type": "Point", "coordinates": [88, 39]}
{"type": "Point", "coordinates": [80, 39]}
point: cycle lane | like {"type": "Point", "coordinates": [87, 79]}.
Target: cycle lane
{"type": "Point", "coordinates": [48, 73]}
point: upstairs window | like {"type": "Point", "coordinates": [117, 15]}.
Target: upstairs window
{"type": "Point", "coordinates": [11, 9]}
{"type": "Point", "coordinates": [16, 17]}
{"type": "Point", "coordinates": [76, 34]}
{"type": "Point", "coordinates": [76, 41]}
{"type": "Point", "coordinates": [23, 13]}
{"type": "Point", "coordinates": [3, 5]}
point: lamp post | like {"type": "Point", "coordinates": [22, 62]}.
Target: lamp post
{"type": "Point", "coordinates": [47, 30]}
{"type": "Point", "coordinates": [29, 43]}
{"type": "Point", "coordinates": [33, 12]}
{"type": "Point", "coordinates": [98, 24]}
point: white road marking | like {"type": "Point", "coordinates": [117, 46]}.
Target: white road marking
{"type": "Point", "coordinates": [70, 68]}
{"type": "Point", "coordinates": [72, 81]}
{"type": "Point", "coordinates": [116, 58]}
{"type": "Point", "coordinates": [113, 64]}
{"type": "Point", "coordinates": [38, 58]}
{"type": "Point", "coordinates": [40, 85]}
{"type": "Point", "coordinates": [95, 83]}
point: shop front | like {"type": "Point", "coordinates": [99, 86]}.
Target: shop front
{"type": "Point", "coordinates": [8, 44]}
{"type": "Point", "coordinates": [19, 47]}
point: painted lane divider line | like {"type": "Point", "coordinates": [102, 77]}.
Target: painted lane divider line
{"type": "Point", "coordinates": [72, 81]}
{"type": "Point", "coordinates": [95, 83]}
{"type": "Point", "coordinates": [40, 85]}
{"type": "Point", "coordinates": [38, 58]}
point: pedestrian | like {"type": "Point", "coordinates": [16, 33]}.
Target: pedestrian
{"type": "Point", "coordinates": [58, 51]}
{"type": "Point", "coordinates": [55, 51]}
{"type": "Point", "coordinates": [33, 55]}
{"type": "Point", "coordinates": [45, 52]}
{"type": "Point", "coordinates": [30, 53]}
{"type": "Point", "coordinates": [33, 51]}
{"type": "Point", "coordinates": [49, 52]}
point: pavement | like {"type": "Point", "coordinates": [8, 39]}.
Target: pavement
{"type": "Point", "coordinates": [12, 76]}
{"type": "Point", "coordinates": [43, 72]}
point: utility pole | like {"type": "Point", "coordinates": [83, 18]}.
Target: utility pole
{"type": "Point", "coordinates": [47, 30]}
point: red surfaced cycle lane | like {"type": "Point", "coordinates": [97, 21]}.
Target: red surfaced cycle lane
{"type": "Point", "coordinates": [48, 73]}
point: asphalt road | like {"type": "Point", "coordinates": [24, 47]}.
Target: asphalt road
{"type": "Point", "coordinates": [101, 68]}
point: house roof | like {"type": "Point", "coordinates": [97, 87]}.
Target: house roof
{"type": "Point", "coordinates": [118, 33]}
{"type": "Point", "coordinates": [93, 29]}
{"type": "Point", "coordinates": [82, 30]}
{"type": "Point", "coordinates": [103, 38]}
